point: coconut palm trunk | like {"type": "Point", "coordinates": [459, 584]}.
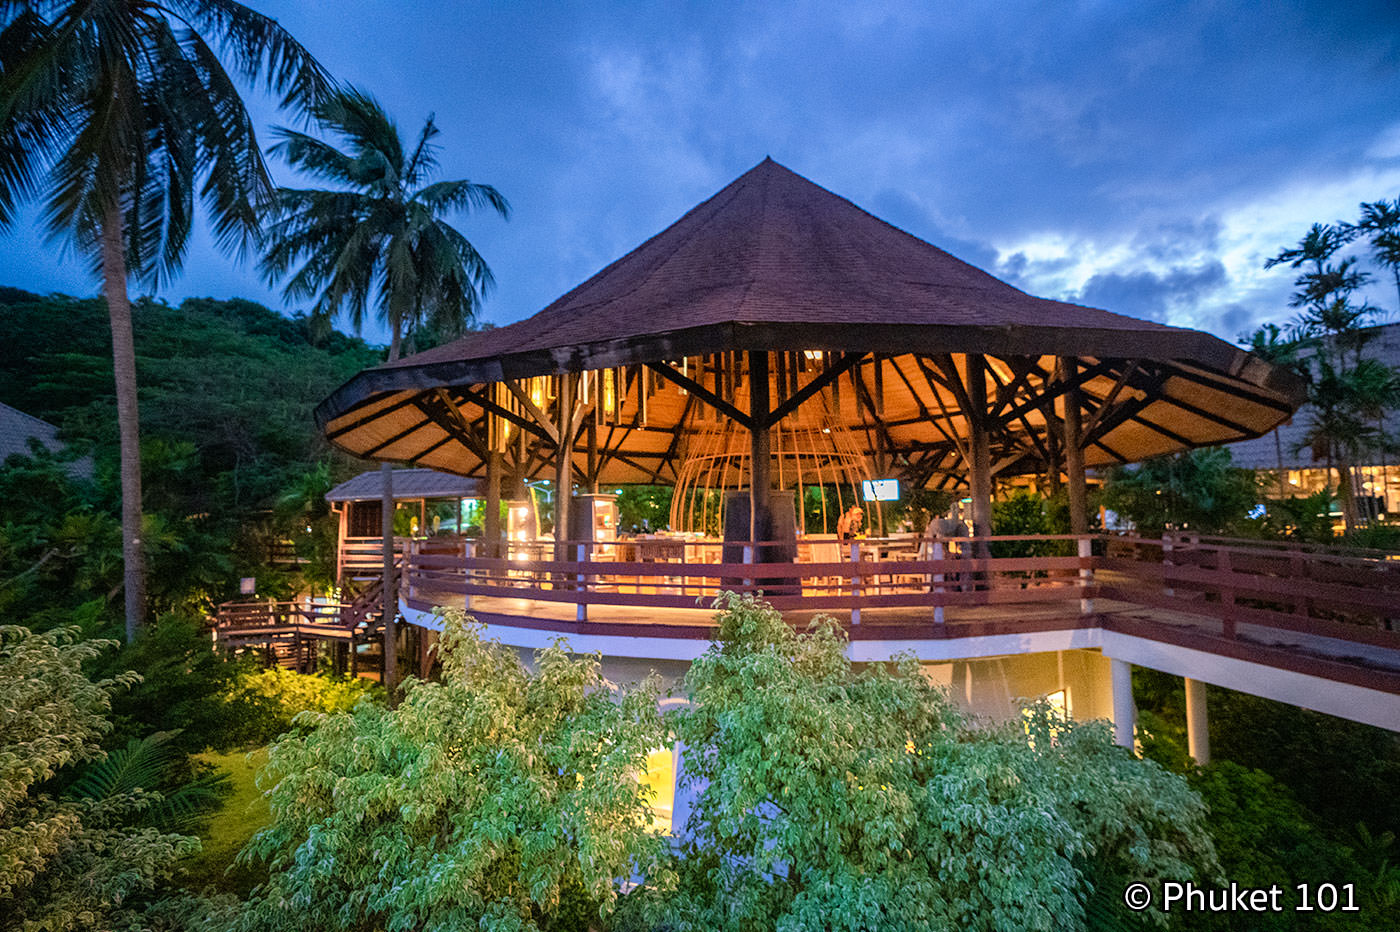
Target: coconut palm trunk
{"type": "Point", "coordinates": [391, 590]}
{"type": "Point", "coordinates": [128, 420]}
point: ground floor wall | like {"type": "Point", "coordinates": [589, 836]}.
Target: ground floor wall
{"type": "Point", "coordinates": [995, 688]}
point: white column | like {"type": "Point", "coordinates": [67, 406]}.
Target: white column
{"type": "Point", "coordinates": [1197, 722]}
{"type": "Point", "coordinates": [1124, 712]}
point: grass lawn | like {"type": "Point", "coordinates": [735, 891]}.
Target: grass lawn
{"type": "Point", "coordinates": [243, 813]}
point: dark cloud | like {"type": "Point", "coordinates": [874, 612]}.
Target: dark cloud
{"type": "Point", "coordinates": [974, 126]}
{"type": "Point", "coordinates": [1024, 272]}
{"type": "Point", "coordinates": [1180, 239]}
{"type": "Point", "coordinates": [1149, 295]}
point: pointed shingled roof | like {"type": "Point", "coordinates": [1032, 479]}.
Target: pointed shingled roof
{"type": "Point", "coordinates": [774, 258]}
{"type": "Point", "coordinates": [775, 262]}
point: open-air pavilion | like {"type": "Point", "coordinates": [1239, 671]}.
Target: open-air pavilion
{"type": "Point", "coordinates": [778, 307]}
{"type": "Point", "coordinates": [776, 326]}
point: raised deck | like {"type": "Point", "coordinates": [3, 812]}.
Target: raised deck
{"type": "Point", "coordinates": [1315, 628]}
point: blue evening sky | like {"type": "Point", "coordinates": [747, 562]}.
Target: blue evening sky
{"type": "Point", "coordinates": [1142, 157]}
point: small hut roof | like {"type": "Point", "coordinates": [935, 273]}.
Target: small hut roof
{"type": "Point", "coordinates": [18, 429]}
{"type": "Point", "coordinates": [775, 262]}
{"type": "Point", "coordinates": [407, 484]}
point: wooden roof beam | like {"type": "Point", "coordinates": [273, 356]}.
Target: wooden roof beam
{"type": "Point", "coordinates": [704, 394]}
{"type": "Point", "coordinates": [804, 394]}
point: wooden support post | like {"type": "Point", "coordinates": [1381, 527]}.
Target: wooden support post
{"type": "Point", "coordinates": [980, 479]}
{"type": "Point", "coordinates": [593, 454]}
{"type": "Point", "coordinates": [563, 467]}
{"type": "Point", "coordinates": [424, 658]}
{"type": "Point", "coordinates": [1074, 450]}
{"type": "Point", "coordinates": [760, 449]}
{"type": "Point", "coordinates": [491, 523]}
{"type": "Point", "coordinates": [391, 595]}
{"type": "Point", "coordinates": [1197, 722]}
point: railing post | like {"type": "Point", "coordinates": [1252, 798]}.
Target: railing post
{"type": "Point", "coordinates": [1086, 574]}
{"type": "Point", "coordinates": [937, 553]}
{"type": "Point", "coordinates": [855, 580]}
{"type": "Point", "coordinates": [1227, 592]}
{"type": "Point", "coordinates": [1167, 589]}
{"type": "Point", "coordinates": [748, 561]}
{"type": "Point", "coordinates": [581, 611]}
{"type": "Point", "coordinates": [468, 553]}
{"type": "Point", "coordinates": [406, 575]}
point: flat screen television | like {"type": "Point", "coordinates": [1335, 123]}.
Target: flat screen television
{"type": "Point", "coordinates": [880, 490]}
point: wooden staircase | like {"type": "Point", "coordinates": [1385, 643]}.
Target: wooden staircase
{"type": "Point", "coordinates": [290, 634]}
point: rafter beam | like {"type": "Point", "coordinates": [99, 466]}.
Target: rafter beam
{"type": "Point", "coordinates": [806, 392]}
{"type": "Point", "coordinates": [701, 392]}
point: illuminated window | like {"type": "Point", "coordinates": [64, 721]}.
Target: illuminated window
{"type": "Point", "coordinates": [659, 779]}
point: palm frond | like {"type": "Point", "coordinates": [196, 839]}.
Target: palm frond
{"type": "Point", "coordinates": [259, 48]}
{"type": "Point", "coordinates": [446, 196]}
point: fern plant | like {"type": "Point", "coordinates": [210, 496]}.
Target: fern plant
{"type": "Point", "coordinates": [149, 768]}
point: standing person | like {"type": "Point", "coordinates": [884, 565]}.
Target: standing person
{"type": "Point", "coordinates": [850, 523]}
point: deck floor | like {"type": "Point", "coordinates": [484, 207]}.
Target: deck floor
{"type": "Point", "coordinates": [701, 618]}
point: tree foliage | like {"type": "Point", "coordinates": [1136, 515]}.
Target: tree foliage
{"type": "Point", "coordinates": [120, 116]}
{"type": "Point", "coordinates": [1348, 394]}
{"type": "Point", "coordinates": [1199, 490]}
{"type": "Point", "coordinates": [836, 798]}
{"type": "Point", "coordinates": [83, 860]}
{"type": "Point", "coordinates": [494, 799]}
{"type": "Point", "coordinates": [228, 388]}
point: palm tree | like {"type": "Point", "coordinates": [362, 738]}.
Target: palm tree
{"type": "Point", "coordinates": [1347, 392]}
{"type": "Point", "coordinates": [1380, 222]}
{"type": "Point", "coordinates": [1267, 342]}
{"type": "Point", "coordinates": [116, 113]}
{"type": "Point", "coordinates": [377, 237]}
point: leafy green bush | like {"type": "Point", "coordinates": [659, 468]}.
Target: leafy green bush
{"type": "Point", "coordinates": [494, 799]}
{"type": "Point", "coordinates": [836, 798]}
{"type": "Point", "coordinates": [1264, 837]}
{"type": "Point", "coordinates": [1200, 490]}
{"type": "Point", "coordinates": [182, 690]}
{"type": "Point", "coordinates": [82, 861]}
{"type": "Point", "coordinates": [261, 704]}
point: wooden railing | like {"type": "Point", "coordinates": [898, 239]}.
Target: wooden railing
{"type": "Point", "coordinates": [1310, 592]}
{"type": "Point", "coordinates": [240, 619]}
{"type": "Point", "coordinates": [1327, 593]}
{"type": "Point", "coordinates": [360, 556]}
{"type": "Point", "coordinates": [856, 576]}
